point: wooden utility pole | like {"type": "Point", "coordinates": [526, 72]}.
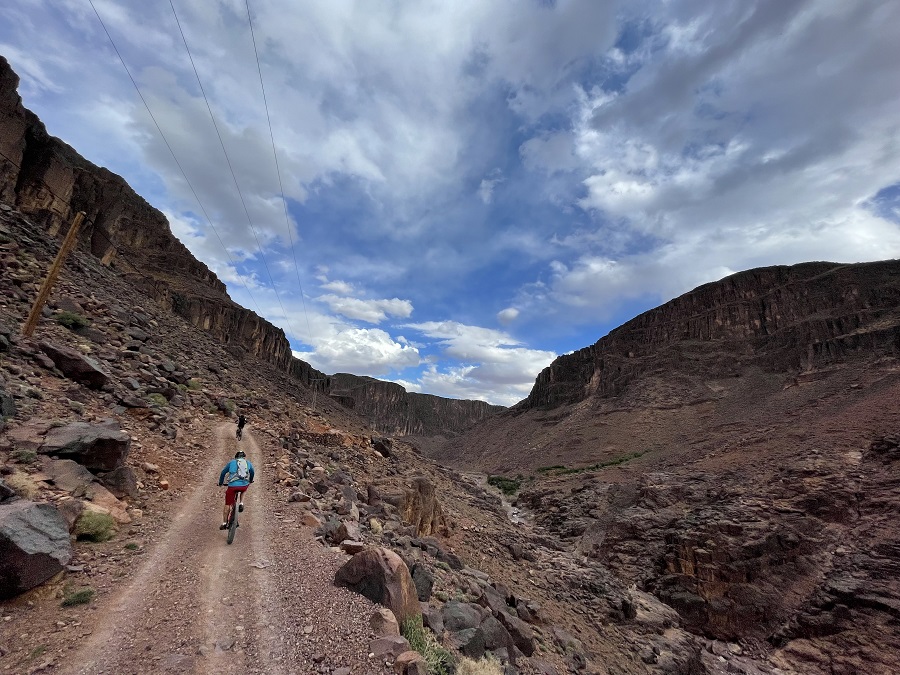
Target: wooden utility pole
{"type": "Point", "coordinates": [50, 279]}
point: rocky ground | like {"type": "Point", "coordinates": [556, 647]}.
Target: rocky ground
{"type": "Point", "coordinates": [760, 514]}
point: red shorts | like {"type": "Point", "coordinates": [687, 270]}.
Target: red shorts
{"type": "Point", "coordinates": [232, 491]}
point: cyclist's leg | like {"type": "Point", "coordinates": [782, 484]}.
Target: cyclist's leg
{"type": "Point", "coordinates": [229, 500]}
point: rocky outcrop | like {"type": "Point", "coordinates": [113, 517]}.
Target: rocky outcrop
{"type": "Point", "coordinates": [394, 411]}
{"type": "Point", "coordinates": [34, 546]}
{"type": "Point", "coordinates": [382, 576]}
{"type": "Point", "coordinates": [780, 319]}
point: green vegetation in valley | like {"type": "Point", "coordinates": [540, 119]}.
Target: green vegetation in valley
{"type": "Point", "coordinates": [157, 400]}
{"type": "Point", "coordinates": [508, 486]}
{"type": "Point", "coordinates": [559, 470]}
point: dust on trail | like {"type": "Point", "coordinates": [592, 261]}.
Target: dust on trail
{"type": "Point", "coordinates": [197, 604]}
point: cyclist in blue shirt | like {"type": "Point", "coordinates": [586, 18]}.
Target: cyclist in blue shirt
{"type": "Point", "coordinates": [240, 474]}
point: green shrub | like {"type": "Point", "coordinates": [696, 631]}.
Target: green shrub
{"type": "Point", "coordinates": [24, 456]}
{"type": "Point", "coordinates": [93, 526]}
{"type": "Point", "coordinates": [157, 400]}
{"type": "Point", "coordinates": [559, 470]}
{"type": "Point", "coordinates": [71, 320]}
{"type": "Point", "coordinates": [508, 486]}
{"type": "Point", "coordinates": [439, 660]}
{"type": "Point", "coordinates": [72, 597]}
{"type": "Point", "coordinates": [194, 385]}
{"type": "Point", "coordinates": [131, 546]}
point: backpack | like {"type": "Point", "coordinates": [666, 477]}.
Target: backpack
{"type": "Point", "coordinates": [242, 472]}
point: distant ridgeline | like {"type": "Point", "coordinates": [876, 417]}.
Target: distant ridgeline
{"type": "Point", "coordinates": [49, 182]}
{"type": "Point", "coordinates": [783, 319]}
{"type": "Point", "coordinates": [394, 411]}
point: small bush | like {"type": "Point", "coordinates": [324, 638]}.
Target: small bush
{"type": "Point", "coordinates": [72, 321]}
{"type": "Point", "coordinates": [82, 596]}
{"type": "Point", "coordinates": [485, 666]}
{"type": "Point", "coordinates": [22, 485]}
{"type": "Point", "coordinates": [157, 400]}
{"type": "Point", "coordinates": [93, 526]}
{"type": "Point", "coordinates": [508, 486]}
{"type": "Point", "coordinates": [24, 456]}
{"type": "Point", "coordinates": [439, 660]}
{"type": "Point", "coordinates": [131, 546]}
{"type": "Point", "coordinates": [194, 385]}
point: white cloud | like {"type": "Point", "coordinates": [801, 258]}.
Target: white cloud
{"type": "Point", "coordinates": [360, 351]}
{"type": "Point", "coordinates": [508, 315]}
{"type": "Point", "coordinates": [486, 188]}
{"type": "Point", "coordinates": [370, 311]}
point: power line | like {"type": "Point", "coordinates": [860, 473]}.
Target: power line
{"type": "Point", "coordinates": [277, 168]}
{"type": "Point", "coordinates": [231, 169]}
{"type": "Point", "coordinates": [174, 157]}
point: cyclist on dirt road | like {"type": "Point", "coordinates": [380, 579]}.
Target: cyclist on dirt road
{"type": "Point", "coordinates": [240, 474]}
{"type": "Point", "coordinates": [240, 425]}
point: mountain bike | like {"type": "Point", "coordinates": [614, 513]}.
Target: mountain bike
{"type": "Point", "coordinates": [232, 521]}
{"type": "Point", "coordinates": [239, 433]}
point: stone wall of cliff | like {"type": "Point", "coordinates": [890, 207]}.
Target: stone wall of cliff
{"type": "Point", "coordinates": [781, 319]}
{"type": "Point", "coordinates": [394, 411]}
{"type": "Point", "coordinates": [49, 182]}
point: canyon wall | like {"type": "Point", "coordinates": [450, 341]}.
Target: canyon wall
{"type": "Point", "coordinates": [394, 411]}
{"type": "Point", "coordinates": [780, 319]}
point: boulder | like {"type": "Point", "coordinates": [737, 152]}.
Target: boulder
{"type": "Point", "coordinates": [495, 635]}
{"type": "Point", "coordinates": [34, 546]}
{"type": "Point", "coordinates": [520, 632]}
{"type": "Point", "coordinates": [383, 622]}
{"type": "Point", "coordinates": [469, 642]}
{"type": "Point", "coordinates": [423, 580]}
{"type": "Point", "coordinates": [6, 492]}
{"type": "Point", "coordinates": [121, 481]}
{"type": "Point", "coordinates": [76, 366]}
{"type": "Point", "coordinates": [100, 447]}
{"type": "Point", "coordinates": [68, 475]}
{"type": "Point", "coordinates": [459, 616]}
{"type": "Point", "coordinates": [411, 663]}
{"type": "Point", "coordinates": [390, 646]}
{"type": "Point", "coordinates": [381, 575]}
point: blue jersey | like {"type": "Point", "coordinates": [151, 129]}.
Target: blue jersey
{"type": "Point", "coordinates": [231, 469]}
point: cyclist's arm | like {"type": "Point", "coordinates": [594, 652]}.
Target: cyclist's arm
{"type": "Point", "coordinates": [252, 472]}
{"type": "Point", "coordinates": [224, 472]}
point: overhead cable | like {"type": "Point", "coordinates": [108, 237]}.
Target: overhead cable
{"type": "Point", "coordinates": [174, 157]}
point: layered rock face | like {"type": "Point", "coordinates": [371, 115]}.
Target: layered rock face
{"type": "Point", "coordinates": [780, 319]}
{"type": "Point", "coordinates": [392, 410]}
{"type": "Point", "coordinates": [49, 182]}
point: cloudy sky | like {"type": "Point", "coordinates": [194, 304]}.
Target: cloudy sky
{"type": "Point", "coordinates": [450, 194]}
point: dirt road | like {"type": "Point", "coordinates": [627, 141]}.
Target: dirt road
{"type": "Point", "coordinates": [265, 604]}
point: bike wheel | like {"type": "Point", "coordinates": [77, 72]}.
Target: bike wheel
{"type": "Point", "coordinates": [232, 523]}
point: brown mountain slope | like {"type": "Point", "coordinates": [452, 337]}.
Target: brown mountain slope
{"type": "Point", "coordinates": [733, 452]}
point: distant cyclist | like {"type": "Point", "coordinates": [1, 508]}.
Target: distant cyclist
{"type": "Point", "coordinates": [240, 426]}
{"type": "Point", "coordinates": [240, 474]}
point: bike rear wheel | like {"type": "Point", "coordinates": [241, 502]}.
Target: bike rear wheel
{"type": "Point", "coordinates": [232, 522]}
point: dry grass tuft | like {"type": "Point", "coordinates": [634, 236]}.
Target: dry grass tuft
{"type": "Point", "coordinates": [485, 666]}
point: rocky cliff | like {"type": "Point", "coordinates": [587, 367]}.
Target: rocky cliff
{"type": "Point", "coordinates": [394, 411]}
{"type": "Point", "coordinates": [781, 319]}
{"type": "Point", "coordinates": [48, 181]}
